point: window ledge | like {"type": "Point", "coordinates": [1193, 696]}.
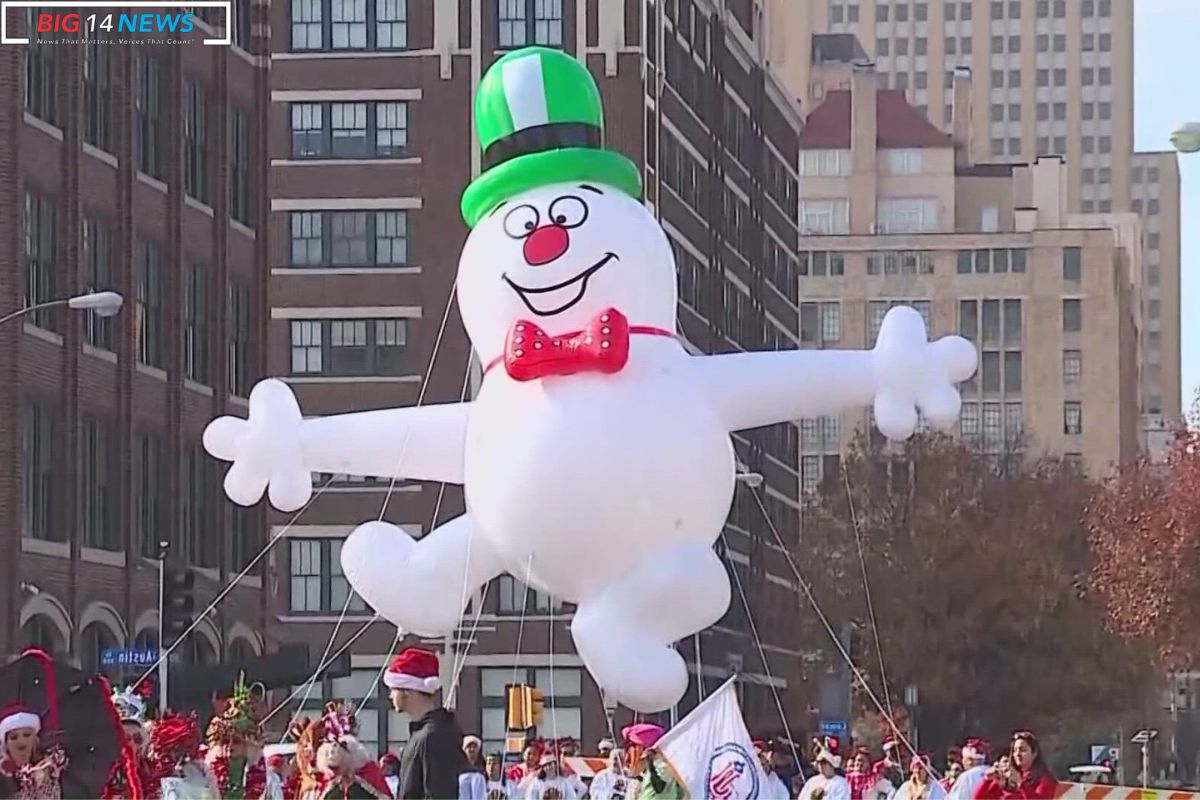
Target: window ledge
{"type": "Point", "coordinates": [211, 573]}
{"type": "Point", "coordinates": [322, 618]}
{"type": "Point", "coordinates": [53, 131]}
{"type": "Point", "coordinates": [244, 230]}
{"type": "Point", "coordinates": [406, 487]}
{"type": "Point", "coordinates": [344, 162]}
{"type": "Point", "coordinates": [100, 155]}
{"type": "Point", "coordinates": [240, 402]}
{"type": "Point", "coordinates": [94, 555]}
{"type": "Point", "coordinates": [320, 55]}
{"type": "Point", "coordinates": [153, 183]}
{"type": "Point", "coordinates": [310, 271]}
{"type": "Point", "coordinates": [247, 581]}
{"type": "Point", "coordinates": [153, 372]}
{"type": "Point", "coordinates": [44, 547]}
{"type": "Point", "coordinates": [199, 388]}
{"type": "Point", "coordinates": [43, 334]}
{"type": "Point", "coordinates": [100, 352]}
{"type": "Point", "coordinates": [200, 206]}
{"type": "Point", "coordinates": [352, 379]}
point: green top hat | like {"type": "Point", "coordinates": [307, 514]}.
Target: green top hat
{"type": "Point", "coordinates": [540, 121]}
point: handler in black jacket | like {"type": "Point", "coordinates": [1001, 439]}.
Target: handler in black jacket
{"type": "Point", "coordinates": [433, 758]}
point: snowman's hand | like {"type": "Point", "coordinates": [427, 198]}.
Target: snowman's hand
{"type": "Point", "coordinates": [265, 449]}
{"type": "Point", "coordinates": [914, 374]}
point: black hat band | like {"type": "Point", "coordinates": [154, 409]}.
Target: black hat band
{"type": "Point", "coordinates": [540, 138]}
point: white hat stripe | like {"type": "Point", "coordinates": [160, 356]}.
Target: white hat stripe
{"type": "Point", "coordinates": [525, 92]}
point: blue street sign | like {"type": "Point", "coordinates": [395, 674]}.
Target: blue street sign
{"type": "Point", "coordinates": [133, 657]}
{"type": "Point", "coordinates": [833, 727]}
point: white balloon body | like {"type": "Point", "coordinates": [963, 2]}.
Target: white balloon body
{"type": "Point", "coordinates": [607, 490]}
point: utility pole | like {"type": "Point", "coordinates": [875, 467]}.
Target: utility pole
{"type": "Point", "coordinates": [162, 649]}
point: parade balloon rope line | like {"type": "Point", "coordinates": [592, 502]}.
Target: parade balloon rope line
{"type": "Point", "coordinates": [862, 562]}
{"type": "Point", "coordinates": [459, 665]}
{"type": "Point", "coordinates": [437, 345]}
{"type": "Point", "coordinates": [833, 636]}
{"type": "Point", "coordinates": [437, 510]}
{"type": "Point", "coordinates": [521, 621]}
{"type": "Point", "coordinates": [229, 588]}
{"type": "Point", "coordinates": [762, 651]}
{"type": "Point", "coordinates": [322, 667]}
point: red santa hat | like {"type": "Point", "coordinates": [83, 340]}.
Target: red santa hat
{"type": "Point", "coordinates": [14, 718]}
{"type": "Point", "coordinates": [414, 669]}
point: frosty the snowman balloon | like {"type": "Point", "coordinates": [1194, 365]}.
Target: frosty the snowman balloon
{"type": "Point", "coordinates": [596, 458]}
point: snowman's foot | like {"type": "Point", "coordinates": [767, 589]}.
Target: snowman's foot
{"type": "Point", "coordinates": [630, 664]}
{"type": "Point", "coordinates": [418, 585]}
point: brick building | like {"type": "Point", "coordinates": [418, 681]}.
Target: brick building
{"type": "Point", "coordinates": [137, 169]}
{"type": "Point", "coordinates": [370, 149]}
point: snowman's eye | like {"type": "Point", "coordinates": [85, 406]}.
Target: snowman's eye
{"type": "Point", "coordinates": [568, 211]}
{"type": "Point", "coordinates": [521, 221]}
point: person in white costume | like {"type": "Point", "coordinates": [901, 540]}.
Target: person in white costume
{"type": "Point", "coordinates": [975, 768]}
{"type": "Point", "coordinates": [612, 782]}
{"type": "Point", "coordinates": [775, 788]}
{"type": "Point", "coordinates": [594, 430]}
{"type": "Point", "coordinates": [826, 784]}
{"type": "Point", "coordinates": [548, 783]}
{"type": "Point", "coordinates": [922, 784]}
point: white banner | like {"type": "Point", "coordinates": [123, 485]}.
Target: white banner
{"type": "Point", "coordinates": [711, 752]}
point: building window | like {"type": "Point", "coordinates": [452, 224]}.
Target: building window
{"type": "Point", "coordinates": [41, 257]}
{"type": "Point", "coordinates": [349, 238]}
{"type": "Point", "coordinates": [820, 263]}
{"type": "Point", "coordinates": [239, 158]}
{"type": "Point", "coordinates": [815, 163]}
{"type": "Point", "coordinates": [99, 488]}
{"type": "Point", "coordinates": [1072, 316]}
{"type": "Point", "coordinates": [904, 161]}
{"type": "Point", "coordinates": [39, 434]}
{"type": "Point", "coordinates": [907, 215]}
{"type": "Point", "coordinates": [877, 310]}
{"type": "Point", "coordinates": [517, 598]}
{"type": "Point", "coordinates": [1071, 264]}
{"type": "Point", "coordinates": [149, 311]}
{"type": "Point", "coordinates": [195, 141]}
{"type": "Point", "coordinates": [148, 107]}
{"type": "Point", "coordinates": [97, 94]}
{"type": "Point", "coordinates": [821, 323]}
{"type": "Point", "coordinates": [41, 74]}
{"type": "Point", "coordinates": [195, 324]}
{"type": "Point", "coordinates": [825, 216]}
{"type": "Point", "coordinates": [353, 347]}
{"type": "Point", "coordinates": [1012, 372]}
{"type": "Point", "coordinates": [349, 130]}
{"type": "Point", "coordinates": [193, 542]}
{"type": "Point", "coordinates": [1072, 418]}
{"type": "Point", "coordinates": [97, 265]}
{"type": "Point", "coordinates": [237, 324]}
{"type": "Point", "coordinates": [149, 465]}
{"type": "Point", "coordinates": [993, 426]}
{"type": "Point", "coordinates": [349, 24]}
{"type": "Point", "coordinates": [522, 22]}
{"type": "Point", "coordinates": [1072, 366]}
{"type": "Point", "coordinates": [241, 24]}
{"type": "Point", "coordinates": [968, 420]}
{"type": "Point", "coordinates": [317, 584]}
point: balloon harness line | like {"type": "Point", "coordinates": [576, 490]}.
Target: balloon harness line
{"type": "Point", "coordinates": [326, 661]}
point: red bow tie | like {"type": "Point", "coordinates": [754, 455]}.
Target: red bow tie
{"type": "Point", "coordinates": [603, 346]}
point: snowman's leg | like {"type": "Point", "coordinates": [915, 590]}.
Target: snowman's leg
{"type": "Point", "coordinates": [419, 585]}
{"type": "Point", "coordinates": [624, 633]}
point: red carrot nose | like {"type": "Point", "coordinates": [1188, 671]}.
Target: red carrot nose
{"type": "Point", "coordinates": [546, 244]}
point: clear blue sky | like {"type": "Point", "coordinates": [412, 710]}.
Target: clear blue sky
{"type": "Point", "coordinates": [1166, 93]}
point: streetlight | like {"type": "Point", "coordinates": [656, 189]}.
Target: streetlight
{"type": "Point", "coordinates": [105, 304]}
{"type": "Point", "coordinates": [912, 699]}
{"type": "Point", "coordinates": [1187, 138]}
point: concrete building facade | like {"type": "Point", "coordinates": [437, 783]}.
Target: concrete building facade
{"type": "Point", "coordinates": [989, 251]}
{"type": "Point", "coordinates": [370, 149]}
{"type": "Point", "coordinates": [139, 170]}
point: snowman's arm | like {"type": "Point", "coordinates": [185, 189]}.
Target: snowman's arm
{"type": "Point", "coordinates": [415, 443]}
{"type": "Point", "coordinates": [753, 389]}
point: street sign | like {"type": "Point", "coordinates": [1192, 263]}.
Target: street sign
{"type": "Point", "coordinates": [1144, 737]}
{"type": "Point", "coordinates": [833, 727]}
{"type": "Point", "coordinates": [1099, 753]}
{"type": "Point", "coordinates": [128, 657]}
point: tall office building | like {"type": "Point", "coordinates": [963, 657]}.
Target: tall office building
{"type": "Point", "coordinates": [137, 169]}
{"type": "Point", "coordinates": [371, 147]}
{"type": "Point", "coordinates": [1050, 77]}
{"type": "Point", "coordinates": [892, 211]}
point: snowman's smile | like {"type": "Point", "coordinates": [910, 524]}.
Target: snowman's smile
{"type": "Point", "coordinates": [546, 301]}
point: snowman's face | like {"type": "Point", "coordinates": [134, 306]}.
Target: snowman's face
{"type": "Point", "coordinates": [559, 255]}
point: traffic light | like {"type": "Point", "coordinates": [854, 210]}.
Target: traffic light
{"type": "Point", "coordinates": [179, 603]}
{"type": "Point", "coordinates": [526, 707]}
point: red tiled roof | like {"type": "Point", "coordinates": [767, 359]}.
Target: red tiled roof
{"type": "Point", "coordinates": [898, 123]}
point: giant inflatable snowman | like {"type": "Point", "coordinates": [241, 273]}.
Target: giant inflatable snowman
{"type": "Point", "coordinates": [596, 458]}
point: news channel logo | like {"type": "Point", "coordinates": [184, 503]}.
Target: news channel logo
{"type": "Point", "coordinates": [120, 22]}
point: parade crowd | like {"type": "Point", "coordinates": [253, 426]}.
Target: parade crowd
{"type": "Point", "coordinates": [168, 758]}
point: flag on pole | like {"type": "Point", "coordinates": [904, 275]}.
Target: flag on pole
{"type": "Point", "coordinates": [711, 752]}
